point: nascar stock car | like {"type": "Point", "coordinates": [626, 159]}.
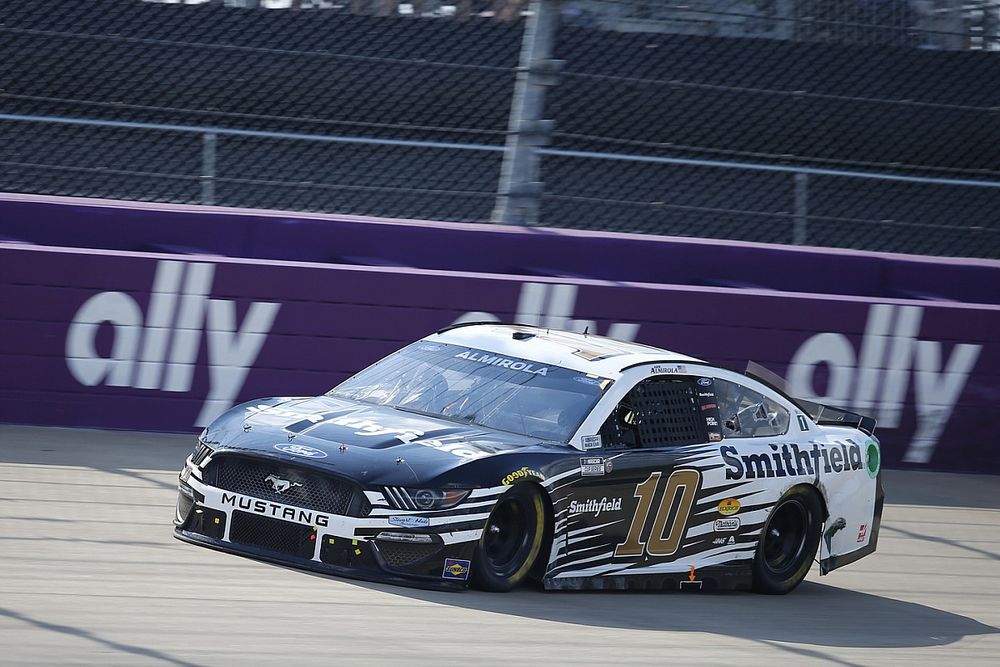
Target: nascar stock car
{"type": "Point", "coordinates": [487, 454]}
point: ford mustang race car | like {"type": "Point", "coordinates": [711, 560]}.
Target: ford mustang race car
{"type": "Point", "coordinates": [488, 454]}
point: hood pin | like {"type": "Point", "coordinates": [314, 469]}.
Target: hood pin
{"type": "Point", "coordinates": [246, 428]}
{"type": "Point", "coordinates": [400, 460]}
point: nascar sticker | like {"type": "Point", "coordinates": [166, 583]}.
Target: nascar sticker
{"type": "Point", "coordinates": [591, 466]}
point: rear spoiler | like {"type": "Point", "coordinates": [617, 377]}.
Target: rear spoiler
{"type": "Point", "coordinates": [826, 415]}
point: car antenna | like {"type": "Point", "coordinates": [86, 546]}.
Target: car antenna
{"type": "Point", "coordinates": [586, 330]}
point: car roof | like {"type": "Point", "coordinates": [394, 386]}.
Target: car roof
{"type": "Point", "coordinates": [586, 353]}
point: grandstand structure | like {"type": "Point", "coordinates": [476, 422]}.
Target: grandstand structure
{"type": "Point", "coordinates": [845, 123]}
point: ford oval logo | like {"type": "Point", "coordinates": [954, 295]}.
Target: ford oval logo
{"type": "Point", "coordinates": [301, 450]}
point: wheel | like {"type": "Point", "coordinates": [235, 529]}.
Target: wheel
{"type": "Point", "coordinates": [511, 541]}
{"type": "Point", "coordinates": [788, 542]}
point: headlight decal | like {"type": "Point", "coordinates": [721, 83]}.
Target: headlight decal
{"type": "Point", "coordinates": [424, 499]}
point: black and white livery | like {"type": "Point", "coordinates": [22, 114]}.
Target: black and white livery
{"type": "Point", "coordinates": [488, 454]}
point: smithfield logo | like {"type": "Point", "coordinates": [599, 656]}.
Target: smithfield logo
{"type": "Point", "coordinates": [280, 485]}
{"type": "Point", "coordinates": [594, 506]}
{"type": "Point", "coordinates": [159, 350]}
{"type": "Point", "coordinates": [301, 450]}
{"type": "Point", "coordinates": [874, 380]}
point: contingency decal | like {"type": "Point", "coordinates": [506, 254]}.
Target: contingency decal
{"type": "Point", "coordinates": [410, 521]}
{"type": "Point", "coordinates": [522, 473]}
{"type": "Point", "coordinates": [456, 568]}
{"type": "Point", "coordinates": [592, 466]}
{"type": "Point", "coordinates": [729, 506]}
{"type": "Point", "coordinates": [790, 461]}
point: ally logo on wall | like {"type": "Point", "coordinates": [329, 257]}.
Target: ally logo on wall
{"type": "Point", "coordinates": [875, 379]}
{"type": "Point", "coordinates": [158, 350]}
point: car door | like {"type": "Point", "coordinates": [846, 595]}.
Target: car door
{"type": "Point", "coordinates": [633, 508]}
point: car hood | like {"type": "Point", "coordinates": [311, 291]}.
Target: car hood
{"type": "Point", "coordinates": [370, 443]}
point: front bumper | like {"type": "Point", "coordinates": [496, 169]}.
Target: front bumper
{"type": "Point", "coordinates": [359, 573]}
{"type": "Point", "coordinates": [371, 548]}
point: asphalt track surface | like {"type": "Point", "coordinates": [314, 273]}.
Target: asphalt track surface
{"type": "Point", "coordinates": [90, 574]}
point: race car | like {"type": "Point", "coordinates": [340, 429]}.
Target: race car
{"type": "Point", "coordinates": [489, 454]}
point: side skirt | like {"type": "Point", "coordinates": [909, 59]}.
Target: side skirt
{"type": "Point", "coordinates": [719, 578]}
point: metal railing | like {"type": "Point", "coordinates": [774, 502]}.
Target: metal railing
{"type": "Point", "coordinates": [798, 213]}
{"type": "Point", "coordinates": [633, 124]}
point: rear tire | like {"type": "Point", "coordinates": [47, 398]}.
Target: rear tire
{"type": "Point", "coordinates": [788, 542]}
{"type": "Point", "coordinates": [511, 541]}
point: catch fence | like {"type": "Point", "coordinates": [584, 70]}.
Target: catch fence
{"type": "Point", "coordinates": [822, 122]}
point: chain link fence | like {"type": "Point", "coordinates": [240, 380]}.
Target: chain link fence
{"type": "Point", "coordinates": [852, 123]}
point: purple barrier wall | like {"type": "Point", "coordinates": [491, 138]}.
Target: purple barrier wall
{"type": "Point", "coordinates": [91, 223]}
{"type": "Point", "coordinates": [157, 342]}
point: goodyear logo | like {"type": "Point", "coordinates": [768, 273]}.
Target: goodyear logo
{"type": "Point", "coordinates": [729, 506]}
{"type": "Point", "coordinates": [521, 474]}
{"type": "Point", "coordinates": [455, 568]}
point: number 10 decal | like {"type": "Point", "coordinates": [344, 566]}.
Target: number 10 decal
{"type": "Point", "coordinates": [682, 482]}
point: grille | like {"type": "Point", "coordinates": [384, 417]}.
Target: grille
{"type": "Point", "coordinates": [402, 554]}
{"type": "Point", "coordinates": [272, 534]}
{"type": "Point", "coordinates": [306, 488]}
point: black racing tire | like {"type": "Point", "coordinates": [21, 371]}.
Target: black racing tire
{"type": "Point", "coordinates": [788, 542]}
{"type": "Point", "coordinates": [511, 541]}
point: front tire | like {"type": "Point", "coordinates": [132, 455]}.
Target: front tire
{"type": "Point", "coordinates": [511, 541]}
{"type": "Point", "coordinates": [788, 542]}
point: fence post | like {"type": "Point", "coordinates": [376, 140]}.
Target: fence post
{"type": "Point", "coordinates": [519, 191]}
{"type": "Point", "coordinates": [801, 216]}
{"type": "Point", "coordinates": [208, 144]}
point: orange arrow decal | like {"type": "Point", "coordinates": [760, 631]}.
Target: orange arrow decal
{"type": "Point", "coordinates": [691, 574]}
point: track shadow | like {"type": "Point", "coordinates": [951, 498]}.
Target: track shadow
{"type": "Point", "coordinates": [107, 644]}
{"type": "Point", "coordinates": [815, 614]}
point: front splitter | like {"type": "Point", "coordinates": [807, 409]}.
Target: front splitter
{"type": "Point", "coordinates": [381, 577]}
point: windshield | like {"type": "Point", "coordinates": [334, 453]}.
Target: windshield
{"type": "Point", "coordinates": [478, 387]}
